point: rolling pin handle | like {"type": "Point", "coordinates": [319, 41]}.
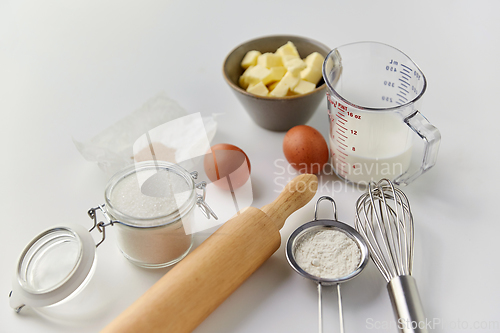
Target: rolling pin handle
{"type": "Point", "coordinates": [296, 194]}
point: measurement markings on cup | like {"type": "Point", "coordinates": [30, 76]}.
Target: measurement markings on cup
{"type": "Point", "coordinates": [341, 134]}
{"type": "Point", "coordinates": [408, 68]}
{"type": "Point", "coordinates": [403, 89]}
{"type": "Point", "coordinates": [343, 144]}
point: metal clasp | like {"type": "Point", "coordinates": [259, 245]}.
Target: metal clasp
{"type": "Point", "coordinates": [202, 204]}
{"type": "Point", "coordinates": [200, 198]}
{"type": "Point", "coordinates": [101, 225]}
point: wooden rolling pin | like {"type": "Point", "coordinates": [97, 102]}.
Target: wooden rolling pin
{"type": "Point", "coordinates": [199, 283]}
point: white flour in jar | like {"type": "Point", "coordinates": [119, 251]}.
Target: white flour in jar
{"type": "Point", "coordinates": [161, 240]}
{"type": "Point", "coordinates": [128, 198]}
{"type": "Point", "coordinates": [327, 253]}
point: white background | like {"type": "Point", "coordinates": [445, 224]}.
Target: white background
{"type": "Point", "coordinates": [72, 68]}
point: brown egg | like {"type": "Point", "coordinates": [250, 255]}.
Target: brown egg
{"type": "Point", "coordinates": [305, 149]}
{"type": "Point", "coordinates": [227, 166]}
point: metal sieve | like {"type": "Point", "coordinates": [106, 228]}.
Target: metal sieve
{"type": "Point", "coordinates": [334, 224]}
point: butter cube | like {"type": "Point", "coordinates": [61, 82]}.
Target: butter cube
{"type": "Point", "coordinates": [303, 87]}
{"type": "Point", "coordinates": [290, 80]}
{"type": "Point", "coordinates": [272, 86]}
{"type": "Point", "coordinates": [277, 73]}
{"type": "Point", "coordinates": [258, 73]}
{"type": "Point", "coordinates": [280, 90]}
{"type": "Point", "coordinates": [287, 49]}
{"type": "Point", "coordinates": [289, 57]}
{"type": "Point", "coordinates": [258, 89]}
{"type": "Point", "coordinates": [315, 60]}
{"type": "Point", "coordinates": [312, 72]}
{"type": "Point", "coordinates": [295, 66]}
{"type": "Point", "coordinates": [243, 81]}
{"type": "Point", "coordinates": [287, 83]}
{"type": "Point", "coordinates": [269, 60]}
{"type": "Point", "coordinates": [250, 59]}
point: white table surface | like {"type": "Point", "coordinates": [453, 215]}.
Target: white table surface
{"type": "Point", "coordinates": [71, 69]}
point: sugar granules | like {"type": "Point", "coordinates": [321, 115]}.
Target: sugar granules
{"type": "Point", "coordinates": [127, 196]}
{"type": "Point", "coordinates": [155, 245]}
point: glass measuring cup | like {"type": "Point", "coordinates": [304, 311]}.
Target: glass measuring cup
{"type": "Point", "coordinates": [319, 225]}
{"type": "Point", "coordinates": [374, 93]}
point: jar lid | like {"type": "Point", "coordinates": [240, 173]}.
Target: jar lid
{"type": "Point", "coordinates": [53, 266]}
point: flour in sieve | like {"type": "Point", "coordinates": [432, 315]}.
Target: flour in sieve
{"type": "Point", "coordinates": [327, 253]}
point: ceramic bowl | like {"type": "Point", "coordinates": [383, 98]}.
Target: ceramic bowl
{"type": "Point", "coordinates": [272, 113]}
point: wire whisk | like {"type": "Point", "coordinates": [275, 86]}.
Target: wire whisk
{"type": "Point", "coordinates": [384, 219]}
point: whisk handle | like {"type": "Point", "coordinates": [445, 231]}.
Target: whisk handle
{"type": "Point", "coordinates": [407, 305]}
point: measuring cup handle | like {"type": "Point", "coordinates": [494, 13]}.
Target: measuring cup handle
{"type": "Point", "coordinates": [432, 138]}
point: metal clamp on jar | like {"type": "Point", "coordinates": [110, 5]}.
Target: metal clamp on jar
{"type": "Point", "coordinates": [150, 203]}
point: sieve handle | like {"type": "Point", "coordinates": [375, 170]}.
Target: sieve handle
{"type": "Point", "coordinates": [320, 308]}
{"type": "Point", "coordinates": [407, 305]}
{"type": "Point", "coordinates": [432, 138]}
{"type": "Point", "coordinates": [341, 312]}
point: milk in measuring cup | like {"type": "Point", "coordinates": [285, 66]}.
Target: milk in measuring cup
{"type": "Point", "coordinates": [374, 99]}
{"type": "Point", "coordinates": [370, 146]}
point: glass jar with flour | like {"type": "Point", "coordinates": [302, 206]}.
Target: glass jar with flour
{"type": "Point", "coordinates": [150, 203]}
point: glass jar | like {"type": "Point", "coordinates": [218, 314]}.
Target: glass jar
{"type": "Point", "coordinates": [149, 202]}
